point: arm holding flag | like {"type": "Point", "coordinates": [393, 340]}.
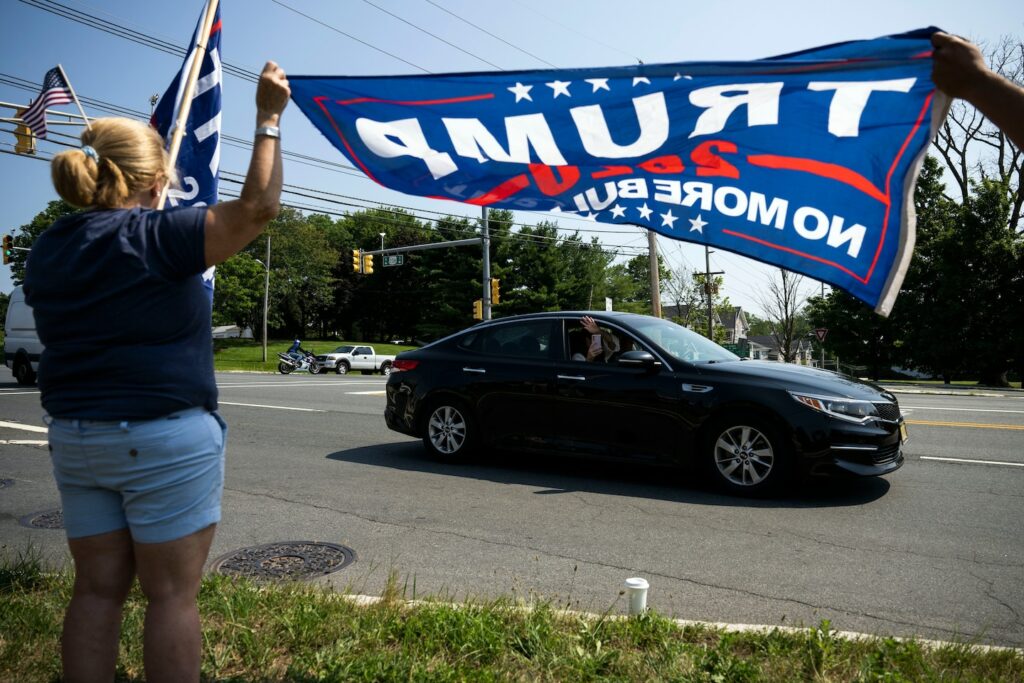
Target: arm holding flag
{"type": "Point", "coordinates": [232, 225]}
{"type": "Point", "coordinates": [959, 71]}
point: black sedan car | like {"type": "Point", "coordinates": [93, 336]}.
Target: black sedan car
{"type": "Point", "coordinates": [645, 389]}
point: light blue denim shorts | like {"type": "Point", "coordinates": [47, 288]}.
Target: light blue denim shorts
{"type": "Point", "coordinates": [162, 479]}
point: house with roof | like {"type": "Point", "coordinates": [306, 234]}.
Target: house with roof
{"type": "Point", "coordinates": [765, 347]}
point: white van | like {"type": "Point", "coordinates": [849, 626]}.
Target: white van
{"type": "Point", "coordinates": [22, 347]}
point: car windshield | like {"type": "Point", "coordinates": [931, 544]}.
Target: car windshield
{"type": "Point", "coordinates": [682, 343]}
{"type": "Point", "coordinates": [343, 349]}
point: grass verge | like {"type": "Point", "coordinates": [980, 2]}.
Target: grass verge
{"type": "Point", "coordinates": [299, 632]}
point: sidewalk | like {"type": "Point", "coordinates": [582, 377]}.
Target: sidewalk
{"type": "Point", "coordinates": [948, 389]}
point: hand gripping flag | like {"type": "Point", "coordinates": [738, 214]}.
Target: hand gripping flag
{"type": "Point", "coordinates": [806, 161]}
{"type": "Point", "coordinates": [199, 157]}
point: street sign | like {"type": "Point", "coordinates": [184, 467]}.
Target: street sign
{"type": "Point", "coordinates": [820, 333]}
{"type": "Point", "coordinates": [394, 259]}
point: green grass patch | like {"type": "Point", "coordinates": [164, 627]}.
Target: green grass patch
{"type": "Point", "coordinates": [247, 354]}
{"type": "Point", "coordinates": [299, 632]}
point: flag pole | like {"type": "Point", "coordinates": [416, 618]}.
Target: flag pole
{"type": "Point", "coordinates": [74, 96]}
{"type": "Point", "coordinates": [186, 96]}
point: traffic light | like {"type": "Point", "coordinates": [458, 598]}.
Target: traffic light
{"type": "Point", "coordinates": [478, 309]}
{"type": "Point", "coordinates": [8, 249]}
{"type": "Point", "coordinates": [25, 139]}
{"type": "Point", "coordinates": [495, 291]}
{"type": "Point", "coordinates": [357, 261]}
{"type": "Point", "coordinates": [367, 264]}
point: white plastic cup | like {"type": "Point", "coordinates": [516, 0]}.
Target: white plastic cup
{"type": "Point", "coordinates": [637, 591]}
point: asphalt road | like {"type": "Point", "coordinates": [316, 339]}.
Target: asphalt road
{"type": "Point", "coordinates": [935, 549]}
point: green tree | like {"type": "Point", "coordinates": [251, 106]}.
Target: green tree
{"type": "Point", "coordinates": [238, 292]}
{"type": "Point", "coordinates": [28, 233]}
{"type": "Point", "coordinates": [301, 264]}
{"type": "Point", "coordinates": [856, 333]}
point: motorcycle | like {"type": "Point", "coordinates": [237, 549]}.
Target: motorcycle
{"type": "Point", "coordinates": [290, 362]}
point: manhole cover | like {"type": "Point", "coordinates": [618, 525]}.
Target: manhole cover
{"type": "Point", "coordinates": [290, 560]}
{"type": "Point", "coordinates": [4, 483]}
{"type": "Point", "coordinates": [48, 519]}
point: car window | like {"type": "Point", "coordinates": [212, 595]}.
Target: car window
{"type": "Point", "coordinates": [682, 343]}
{"type": "Point", "coordinates": [361, 350]}
{"type": "Point", "coordinates": [529, 339]}
{"type": "Point", "coordinates": [578, 339]}
{"type": "Point", "coordinates": [343, 349]}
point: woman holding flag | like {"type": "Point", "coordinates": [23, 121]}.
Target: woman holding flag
{"type": "Point", "coordinates": [127, 380]}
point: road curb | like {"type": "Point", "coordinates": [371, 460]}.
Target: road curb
{"type": "Point", "coordinates": [368, 600]}
{"type": "Point", "coordinates": [930, 392]}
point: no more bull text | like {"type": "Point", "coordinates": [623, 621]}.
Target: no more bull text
{"type": "Point", "coordinates": [808, 222]}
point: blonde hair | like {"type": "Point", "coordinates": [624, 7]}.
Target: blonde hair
{"type": "Point", "coordinates": [131, 158]}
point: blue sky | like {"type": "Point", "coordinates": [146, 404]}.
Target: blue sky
{"type": "Point", "coordinates": [526, 34]}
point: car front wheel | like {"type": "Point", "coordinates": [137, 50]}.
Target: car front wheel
{"type": "Point", "coordinates": [450, 431]}
{"type": "Point", "coordinates": [746, 456]}
{"type": "Point", "coordinates": [341, 368]}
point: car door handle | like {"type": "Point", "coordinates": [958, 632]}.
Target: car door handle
{"type": "Point", "coordinates": [578, 378]}
{"type": "Point", "coordinates": [480, 370]}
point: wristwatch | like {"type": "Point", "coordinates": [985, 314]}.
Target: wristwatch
{"type": "Point", "coordinates": [269, 131]}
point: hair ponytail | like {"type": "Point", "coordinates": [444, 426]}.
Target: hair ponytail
{"type": "Point", "coordinates": [131, 157]}
{"type": "Point", "coordinates": [74, 178]}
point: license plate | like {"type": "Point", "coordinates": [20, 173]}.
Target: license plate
{"type": "Point", "coordinates": [903, 432]}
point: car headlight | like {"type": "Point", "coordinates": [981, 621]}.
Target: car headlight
{"type": "Point", "coordinates": [847, 409]}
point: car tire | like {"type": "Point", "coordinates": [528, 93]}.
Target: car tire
{"type": "Point", "coordinates": [385, 369]}
{"type": "Point", "coordinates": [746, 456]}
{"type": "Point", "coordinates": [22, 371]}
{"type": "Point", "coordinates": [341, 368]}
{"type": "Point", "coordinates": [449, 432]}
{"type": "Point", "coordinates": [315, 368]}
{"type": "Point", "coordinates": [284, 368]}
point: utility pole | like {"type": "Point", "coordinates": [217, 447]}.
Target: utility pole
{"type": "Point", "coordinates": [823, 341]}
{"type": "Point", "coordinates": [487, 263]}
{"type": "Point", "coordinates": [708, 291]}
{"type": "Point", "coordinates": [266, 296]}
{"type": "Point", "coordinates": [652, 252]}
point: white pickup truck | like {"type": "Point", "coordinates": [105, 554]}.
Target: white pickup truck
{"type": "Point", "coordinates": [347, 358]}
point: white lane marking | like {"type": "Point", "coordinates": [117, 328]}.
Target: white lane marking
{"type": "Point", "coordinates": [975, 462]}
{"type": "Point", "coordinates": [24, 427]}
{"type": "Point", "coordinates": [22, 442]}
{"type": "Point", "coordinates": [966, 410]}
{"type": "Point", "coordinates": [367, 393]}
{"type": "Point", "coordinates": [259, 405]}
{"type": "Point", "coordinates": [10, 392]}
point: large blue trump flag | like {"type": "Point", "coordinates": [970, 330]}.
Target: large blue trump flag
{"type": "Point", "coordinates": [806, 161]}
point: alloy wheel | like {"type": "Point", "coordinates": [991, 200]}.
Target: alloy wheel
{"type": "Point", "coordinates": [447, 430]}
{"type": "Point", "coordinates": [744, 456]}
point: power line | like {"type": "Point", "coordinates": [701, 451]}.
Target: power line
{"type": "Point", "coordinates": [435, 37]}
{"type": "Point", "coordinates": [348, 35]}
{"type": "Point", "coordinates": [114, 29]}
{"type": "Point", "coordinates": [498, 38]}
{"type": "Point", "coordinates": [570, 28]}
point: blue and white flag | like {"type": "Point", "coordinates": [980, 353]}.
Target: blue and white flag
{"type": "Point", "coordinates": [198, 160]}
{"type": "Point", "coordinates": [806, 161]}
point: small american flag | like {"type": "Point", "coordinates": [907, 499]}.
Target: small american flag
{"type": "Point", "coordinates": [55, 91]}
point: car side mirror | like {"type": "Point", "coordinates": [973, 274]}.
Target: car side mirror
{"type": "Point", "coordinates": [639, 359]}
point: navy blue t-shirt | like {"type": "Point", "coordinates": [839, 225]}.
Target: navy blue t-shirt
{"type": "Point", "coordinates": [121, 310]}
